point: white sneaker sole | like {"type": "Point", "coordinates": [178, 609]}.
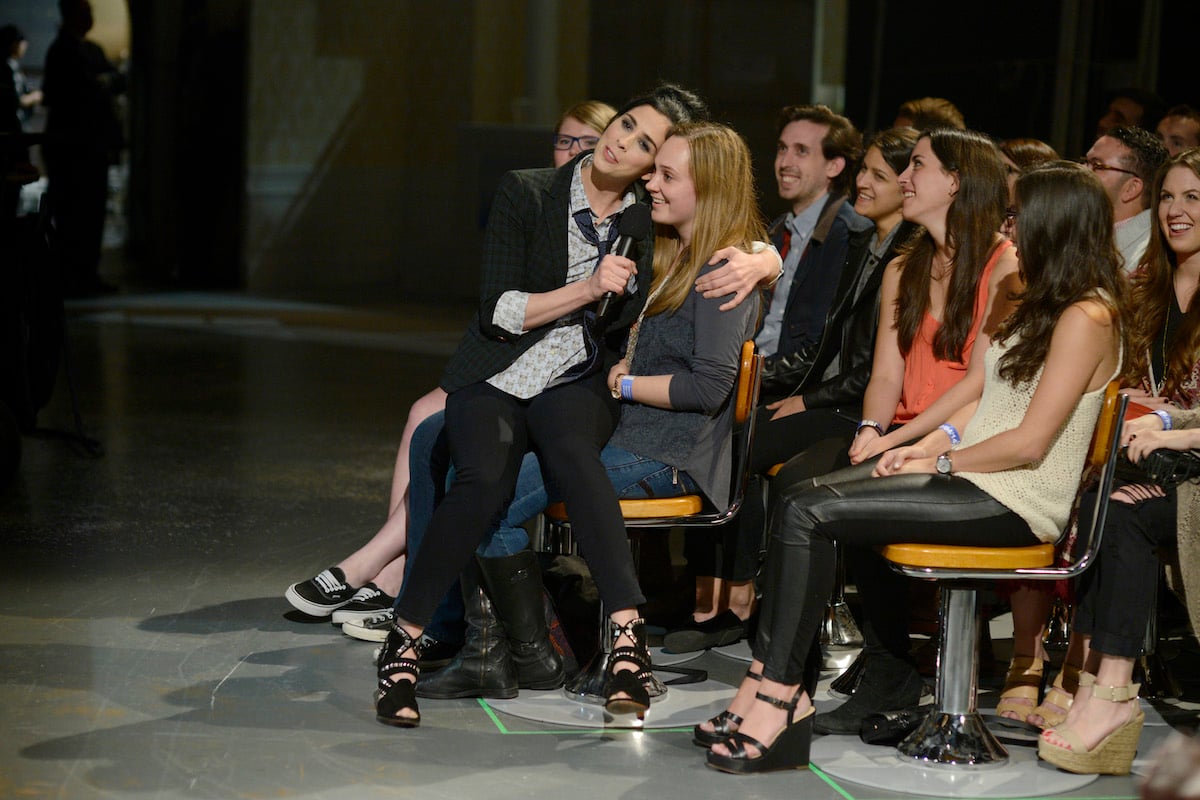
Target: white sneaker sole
{"type": "Point", "coordinates": [312, 609]}
{"type": "Point", "coordinates": [365, 634]}
{"type": "Point", "coordinates": [342, 615]}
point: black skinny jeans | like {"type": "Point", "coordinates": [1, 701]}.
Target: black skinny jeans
{"type": "Point", "coordinates": [861, 512]}
{"type": "Point", "coordinates": [489, 432]}
{"type": "Point", "coordinates": [1114, 597]}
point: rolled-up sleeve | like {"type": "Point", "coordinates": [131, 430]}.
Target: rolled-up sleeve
{"type": "Point", "coordinates": [509, 313]}
{"type": "Point", "coordinates": [719, 337]}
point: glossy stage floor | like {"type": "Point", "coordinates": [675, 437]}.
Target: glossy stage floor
{"type": "Point", "coordinates": [146, 649]}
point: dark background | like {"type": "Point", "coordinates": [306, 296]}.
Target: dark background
{"type": "Point", "coordinates": [393, 195]}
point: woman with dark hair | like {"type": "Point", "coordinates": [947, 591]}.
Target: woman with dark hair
{"type": "Point", "coordinates": [1020, 155]}
{"type": "Point", "coordinates": [945, 292]}
{"type": "Point", "coordinates": [675, 432]}
{"type": "Point", "coordinates": [1165, 339]}
{"type": "Point", "coordinates": [1030, 601]}
{"type": "Point", "coordinates": [365, 583]}
{"type": "Point", "coordinates": [1008, 479]}
{"type": "Point", "coordinates": [1163, 370]}
{"type": "Point", "coordinates": [531, 374]}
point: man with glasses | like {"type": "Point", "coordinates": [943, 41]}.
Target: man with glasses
{"type": "Point", "coordinates": [1125, 160]}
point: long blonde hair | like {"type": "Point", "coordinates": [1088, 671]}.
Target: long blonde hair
{"type": "Point", "coordinates": [726, 211]}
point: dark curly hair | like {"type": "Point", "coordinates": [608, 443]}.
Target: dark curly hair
{"type": "Point", "coordinates": [1065, 238]}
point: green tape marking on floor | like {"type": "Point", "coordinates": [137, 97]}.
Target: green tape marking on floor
{"type": "Point", "coordinates": [832, 783]}
{"type": "Point", "coordinates": [488, 710]}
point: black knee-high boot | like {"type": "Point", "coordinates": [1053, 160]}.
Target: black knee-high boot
{"type": "Point", "coordinates": [483, 667]}
{"type": "Point", "coordinates": [515, 586]}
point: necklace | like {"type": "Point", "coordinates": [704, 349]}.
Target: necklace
{"type": "Point", "coordinates": [637, 325]}
{"type": "Point", "coordinates": [940, 266]}
{"type": "Point", "coordinates": [1159, 385]}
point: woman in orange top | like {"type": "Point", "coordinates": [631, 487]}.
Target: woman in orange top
{"type": "Point", "coordinates": [941, 300]}
{"type": "Point", "coordinates": [943, 295]}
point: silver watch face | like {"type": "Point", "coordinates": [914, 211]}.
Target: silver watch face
{"type": "Point", "coordinates": [943, 464]}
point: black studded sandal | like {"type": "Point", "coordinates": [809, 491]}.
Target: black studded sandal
{"type": "Point", "coordinates": [789, 750]}
{"type": "Point", "coordinates": [629, 682]}
{"type": "Point", "coordinates": [724, 724]}
{"type": "Point", "coordinates": [395, 694]}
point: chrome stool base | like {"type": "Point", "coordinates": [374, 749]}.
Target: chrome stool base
{"type": "Point", "coordinates": [839, 628]}
{"type": "Point", "coordinates": [954, 740]}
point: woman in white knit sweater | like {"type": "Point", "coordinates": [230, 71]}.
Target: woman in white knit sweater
{"type": "Point", "coordinates": [1007, 480]}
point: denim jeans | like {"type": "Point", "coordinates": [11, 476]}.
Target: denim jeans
{"type": "Point", "coordinates": [632, 476]}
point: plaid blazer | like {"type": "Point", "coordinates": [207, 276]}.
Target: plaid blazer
{"type": "Point", "coordinates": [525, 248]}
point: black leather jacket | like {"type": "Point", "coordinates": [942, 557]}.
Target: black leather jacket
{"type": "Point", "coordinates": [848, 338]}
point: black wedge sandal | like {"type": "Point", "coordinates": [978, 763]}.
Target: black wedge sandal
{"type": "Point", "coordinates": [629, 682]}
{"type": "Point", "coordinates": [395, 694]}
{"type": "Point", "coordinates": [723, 724]}
{"type": "Point", "coordinates": [788, 751]}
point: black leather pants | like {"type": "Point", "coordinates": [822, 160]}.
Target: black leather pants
{"type": "Point", "coordinates": [861, 513]}
{"type": "Point", "coordinates": [811, 443]}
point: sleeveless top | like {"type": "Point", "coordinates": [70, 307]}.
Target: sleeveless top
{"type": "Point", "coordinates": [927, 377]}
{"type": "Point", "coordinates": [1043, 491]}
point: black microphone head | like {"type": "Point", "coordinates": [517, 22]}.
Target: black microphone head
{"type": "Point", "coordinates": [635, 222]}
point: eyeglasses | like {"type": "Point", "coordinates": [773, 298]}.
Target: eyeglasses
{"type": "Point", "coordinates": [564, 142]}
{"type": "Point", "coordinates": [1100, 166]}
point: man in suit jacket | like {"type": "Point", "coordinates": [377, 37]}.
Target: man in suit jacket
{"type": "Point", "coordinates": [815, 160]}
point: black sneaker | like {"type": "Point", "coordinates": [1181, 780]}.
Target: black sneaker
{"type": "Point", "coordinates": [369, 601]}
{"type": "Point", "coordinates": [370, 629]}
{"type": "Point", "coordinates": [720, 631]}
{"type": "Point", "coordinates": [322, 595]}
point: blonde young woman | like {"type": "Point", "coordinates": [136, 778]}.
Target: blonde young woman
{"type": "Point", "coordinates": [568, 413]}
{"type": "Point", "coordinates": [675, 436]}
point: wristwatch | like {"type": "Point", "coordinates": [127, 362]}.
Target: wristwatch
{"type": "Point", "coordinates": [944, 465]}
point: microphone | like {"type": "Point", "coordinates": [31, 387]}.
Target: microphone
{"type": "Point", "coordinates": [634, 225]}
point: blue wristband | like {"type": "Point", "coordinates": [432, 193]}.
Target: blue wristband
{"type": "Point", "coordinates": [1165, 417]}
{"type": "Point", "coordinates": [869, 423]}
{"type": "Point", "coordinates": [950, 431]}
{"type": "Point", "coordinates": [627, 387]}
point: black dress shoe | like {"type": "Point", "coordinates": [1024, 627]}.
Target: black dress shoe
{"type": "Point", "coordinates": [723, 629]}
{"type": "Point", "coordinates": [888, 683]}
